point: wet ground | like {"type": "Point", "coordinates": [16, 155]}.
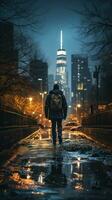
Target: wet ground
{"type": "Point", "coordinates": [80, 170]}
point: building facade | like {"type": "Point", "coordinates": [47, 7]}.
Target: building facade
{"type": "Point", "coordinates": [105, 80]}
{"type": "Point", "coordinates": [38, 71]}
{"type": "Point", "coordinates": [80, 80]}
{"type": "Point", "coordinates": [8, 53]}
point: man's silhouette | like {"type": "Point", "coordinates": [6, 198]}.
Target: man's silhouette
{"type": "Point", "coordinates": [56, 111]}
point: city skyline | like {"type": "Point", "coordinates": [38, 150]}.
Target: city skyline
{"type": "Point", "coordinates": [67, 16]}
{"type": "Point", "coordinates": [60, 16]}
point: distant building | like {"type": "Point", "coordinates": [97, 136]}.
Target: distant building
{"type": "Point", "coordinates": [8, 53]}
{"type": "Point", "coordinates": [105, 76]}
{"type": "Point", "coordinates": [80, 80]}
{"type": "Point", "coordinates": [38, 71]}
{"type": "Point", "coordinates": [61, 68]}
{"type": "Point", "coordinates": [50, 81]}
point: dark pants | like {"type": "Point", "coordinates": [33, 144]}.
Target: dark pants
{"type": "Point", "coordinates": [57, 125]}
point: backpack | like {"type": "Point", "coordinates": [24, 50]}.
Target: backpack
{"type": "Point", "coordinates": [56, 102]}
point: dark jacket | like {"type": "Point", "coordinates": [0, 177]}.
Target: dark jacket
{"type": "Point", "coordinates": [59, 114]}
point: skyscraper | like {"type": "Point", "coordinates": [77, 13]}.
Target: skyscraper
{"type": "Point", "coordinates": [80, 80]}
{"type": "Point", "coordinates": [61, 68]}
{"type": "Point", "coordinates": [61, 64]}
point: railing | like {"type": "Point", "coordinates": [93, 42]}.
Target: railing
{"type": "Point", "coordinates": [102, 119]}
{"type": "Point", "coordinates": [12, 118]}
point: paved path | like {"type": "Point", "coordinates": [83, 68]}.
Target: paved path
{"type": "Point", "coordinates": [37, 171]}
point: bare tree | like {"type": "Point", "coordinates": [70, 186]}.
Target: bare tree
{"type": "Point", "coordinates": [26, 48]}
{"type": "Point", "coordinates": [23, 13]}
{"type": "Point", "coordinates": [96, 30]}
{"type": "Point", "coordinates": [15, 85]}
{"type": "Point", "coordinates": [96, 26]}
{"type": "Point", "coordinates": [11, 75]}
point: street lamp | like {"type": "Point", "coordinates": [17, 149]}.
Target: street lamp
{"type": "Point", "coordinates": [43, 94]}
{"type": "Point", "coordinates": [30, 99]}
{"type": "Point", "coordinates": [78, 106]}
{"type": "Point", "coordinates": [41, 91]}
{"type": "Point", "coordinates": [29, 108]}
{"type": "Point", "coordinates": [96, 76]}
{"type": "Point", "coordinates": [40, 79]}
{"type": "Point", "coordinates": [69, 111]}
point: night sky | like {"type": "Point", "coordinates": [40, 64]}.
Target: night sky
{"type": "Point", "coordinates": [59, 15]}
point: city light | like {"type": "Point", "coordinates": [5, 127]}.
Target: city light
{"type": "Point", "coordinates": [78, 105]}
{"type": "Point", "coordinates": [56, 147]}
{"type": "Point", "coordinates": [39, 79]}
{"type": "Point", "coordinates": [43, 95]}
{"type": "Point", "coordinates": [61, 62]}
{"type": "Point", "coordinates": [69, 106]}
{"type": "Point", "coordinates": [61, 52]}
{"type": "Point", "coordinates": [30, 99]}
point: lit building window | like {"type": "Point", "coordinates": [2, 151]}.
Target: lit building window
{"type": "Point", "coordinates": [80, 86]}
{"type": "Point", "coordinates": [62, 77]}
{"type": "Point", "coordinates": [61, 52]}
{"type": "Point", "coordinates": [72, 94]}
{"type": "Point", "coordinates": [61, 62]}
{"type": "Point", "coordinates": [62, 70]}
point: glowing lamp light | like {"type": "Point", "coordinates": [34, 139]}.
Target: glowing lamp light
{"type": "Point", "coordinates": [69, 106]}
{"type": "Point", "coordinates": [39, 79]}
{"type": "Point", "coordinates": [30, 99]}
{"type": "Point", "coordinates": [28, 176]}
{"type": "Point", "coordinates": [78, 105]}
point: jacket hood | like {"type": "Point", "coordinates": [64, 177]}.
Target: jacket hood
{"type": "Point", "coordinates": [56, 92]}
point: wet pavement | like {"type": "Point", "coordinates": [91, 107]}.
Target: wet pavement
{"type": "Point", "coordinates": [79, 170]}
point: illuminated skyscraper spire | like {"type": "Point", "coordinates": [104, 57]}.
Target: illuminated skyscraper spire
{"type": "Point", "coordinates": [61, 39]}
{"type": "Point", "coordinates": [61, 68]}
{"type": "Point", "coordinates": [61, 63]}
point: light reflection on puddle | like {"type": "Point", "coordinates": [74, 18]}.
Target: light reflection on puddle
{"type": "Point", "coordinates": [46, 171]}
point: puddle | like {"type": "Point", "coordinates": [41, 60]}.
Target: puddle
{"type": "Point", "coordinates": [81, 170]}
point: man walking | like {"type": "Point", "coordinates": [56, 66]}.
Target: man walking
{"type": "Point", "coordinates": [56, 111]}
